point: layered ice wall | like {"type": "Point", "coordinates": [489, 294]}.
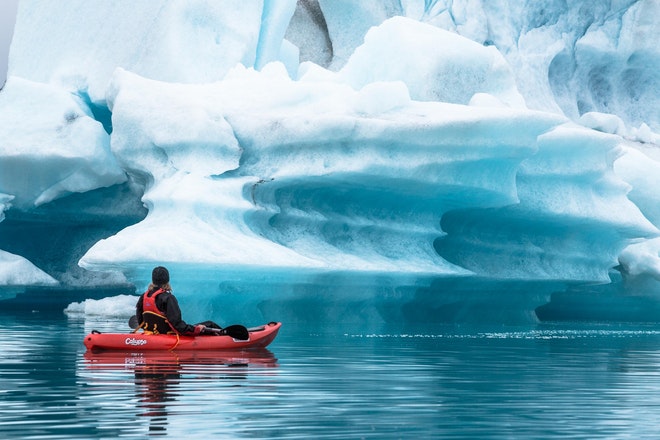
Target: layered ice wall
{"type": "Point", "coordinates": [379, 161]}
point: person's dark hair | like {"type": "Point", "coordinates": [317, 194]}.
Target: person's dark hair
{"type": "Point", "coordinates": [160, 276]}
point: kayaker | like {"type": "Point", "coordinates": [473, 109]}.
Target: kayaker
{"type": "Point", "coordinates": [158, 310]}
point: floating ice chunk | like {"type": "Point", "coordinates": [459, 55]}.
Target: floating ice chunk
{"type": "Point", "coordinates": [121, 306]}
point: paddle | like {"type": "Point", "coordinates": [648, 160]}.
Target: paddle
{"type": "Point", "coordinates": [235, 331]}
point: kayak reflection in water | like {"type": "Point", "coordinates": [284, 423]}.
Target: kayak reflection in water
{"type": "Point", "coordinates": [152, 383]}
{"type": "Point", "coordinates": [158, 311]}
{"type": "Point", "coordinates": [162, 378]}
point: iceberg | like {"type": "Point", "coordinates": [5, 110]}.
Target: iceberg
{"type": "Point", "coordinates": [120, 306]}
{"type": "Point", "coordinates": [378, 162]}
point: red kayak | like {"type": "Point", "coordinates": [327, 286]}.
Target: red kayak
{"type": "Point", "coordinates": [259, 337]}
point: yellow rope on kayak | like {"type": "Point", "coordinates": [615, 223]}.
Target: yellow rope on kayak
{"type": "Point", "coordinates": [177, 342]}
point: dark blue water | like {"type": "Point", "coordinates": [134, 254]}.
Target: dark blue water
{"type": "Point", "coordinates": [546, 381]}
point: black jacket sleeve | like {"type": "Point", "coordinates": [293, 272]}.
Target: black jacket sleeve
{"type": "Point", "coordinates": [169, 304]}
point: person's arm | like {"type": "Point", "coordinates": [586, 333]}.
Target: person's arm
{"type": "Point", "coordinates": [173, 315]}
{"type": "Point", "coordinates": [139, 307]}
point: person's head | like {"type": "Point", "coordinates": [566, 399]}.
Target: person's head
{"type": "Point", "coordinates": [160, 276]}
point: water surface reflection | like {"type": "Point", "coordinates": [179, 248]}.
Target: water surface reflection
{"type": "Point", "coordinates": [546, 381]}
{"type": "Point", "coordinates": [165, 380]}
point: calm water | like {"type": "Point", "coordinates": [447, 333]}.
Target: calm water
{"type": "Point", "coordinates": [580, 382]}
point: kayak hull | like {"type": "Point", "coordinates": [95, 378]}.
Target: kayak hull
{"type": "Point", "coordinates": [259, 337]}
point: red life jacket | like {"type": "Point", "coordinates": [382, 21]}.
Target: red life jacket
{"type": "Point", "coordinates": [149, 302]}
{"type": "Point", "coordinates": [153, 319]}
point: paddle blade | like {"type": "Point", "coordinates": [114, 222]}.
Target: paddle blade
{"type": "Point", "coordinates": [133, 322]}
{"type": "Point", "coordinates": [236, 331]}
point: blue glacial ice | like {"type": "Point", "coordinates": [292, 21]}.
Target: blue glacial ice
{"type": "Point", "coordinates": [367, 161]}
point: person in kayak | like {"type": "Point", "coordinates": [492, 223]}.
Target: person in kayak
{"type": "Point", "coordinates": [158, 310]}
